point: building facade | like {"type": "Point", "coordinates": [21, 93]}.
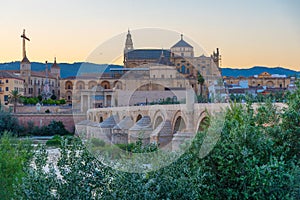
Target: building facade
{"type": "Point", "coordinates": [8, 82]}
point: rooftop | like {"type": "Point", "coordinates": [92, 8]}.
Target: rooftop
{"type": "Point", "coordinates": [4, 74]}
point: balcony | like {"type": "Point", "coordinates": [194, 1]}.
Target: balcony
{"type": "Point", "coordinates": [1, 83]}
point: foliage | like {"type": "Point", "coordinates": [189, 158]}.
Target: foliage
{"type": "Point", "coordinates": [54, 128]}
{"type": "Point", "coordinates": [35, 100]}
{"type": "Point", "coordinates": [14, 97]}
{"type": "Point", "coordinates": [200, 81]}
{"type": "Point", "coordinates": [8, 122]}
{"type": "Point", "coordinates": [55, 141]}
{"type": "Point", "coordinates": [14, 156]}
{"type": "Point", "coordinates": [279, 96]}
{"type": "Point", "coordinates": [53, 97]}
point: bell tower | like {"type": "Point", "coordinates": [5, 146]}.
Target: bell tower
{"type": "Point", "coordinates": [128, 43]}
{"type": "Point", "coordinates": [25, 67]}
{"type": "Point", "coordinates": [128, 47]}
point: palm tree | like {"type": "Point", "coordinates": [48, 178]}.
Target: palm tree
{"type": "Point", "coordinates": [201, 81]}
{"type": "Point", "coordinates": [14, 98]}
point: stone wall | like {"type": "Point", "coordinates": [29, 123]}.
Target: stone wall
{"type": "Point", "coordinates": [44, 119]}
{"type": "Point", "coordinates": [52, 109]}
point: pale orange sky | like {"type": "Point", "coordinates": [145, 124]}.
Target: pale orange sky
{"type": "Point", "coordinates": [248, 33]}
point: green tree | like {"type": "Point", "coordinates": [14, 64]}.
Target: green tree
{"type": "Point", "coordinates": [8, 122]}
{"type": "Point", "coordinates": [200, 81]}
{"type": "Point", "coordinates": [15, 155]}
{"type": "Point", "coordinates": [14, 98]}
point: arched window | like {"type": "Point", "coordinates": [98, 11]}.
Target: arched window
{"type": "Point", "coordinates": [183, 69]}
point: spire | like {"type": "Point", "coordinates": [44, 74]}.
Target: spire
{"type": "Point", "coordinates": [181, 36]}
{"type": "Point", "coordinates": [129, 43]}
{"type": "Point", "coordinates": [55, 65]}
{"type": "Point", "coordinates": [46, 70]}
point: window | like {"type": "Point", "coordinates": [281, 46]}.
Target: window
{"type": "Point", "coordinates": [153, 76]}
{"type": "Point", "coordinates": [182, 54]}
{"type": "Point", "coordinates": [178, 64]}
{"type": "Point", "coordinates": [162, 76]}
{"type": "Point", "coordinates": [6, 89]}
{"type": "Point", "coordinates": [69, 97]}
{"type": "Point", "coordinates": [183, 69]}
{"type": "Point", "coordinates": [187, 70]}
{"type": "Point", "coordinates": [170, 76]}
{"type": "Point", "coordinates": [6, 81]}
{"type": "Point", "coordinates": [5, 97]}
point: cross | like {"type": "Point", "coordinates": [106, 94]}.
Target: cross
{"type": "Point", "coordinates": [24, 38]}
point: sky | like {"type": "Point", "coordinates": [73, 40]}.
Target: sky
{"type": "Point", "coordinates": [248, 33]}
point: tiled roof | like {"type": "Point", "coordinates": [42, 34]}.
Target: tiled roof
{"type": "Point", "coordinates": [4, 74]}
{"type": "Point", "coordinates": [144, 54]}
{"type": "Point", "coordinates": [42, 74]}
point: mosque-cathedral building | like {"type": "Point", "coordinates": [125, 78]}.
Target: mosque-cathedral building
{"type": "Point", "coordinates": [148, 75]}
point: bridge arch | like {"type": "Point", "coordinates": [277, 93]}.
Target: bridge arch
{"type": "Point", "coordinates": [178, 122]}
{"type": "Point", "coordinates": [202, 122]}
{"type": "Point", "coordinates": [158, 118]}
{"type": "Point", "coordinates": [138, 117]}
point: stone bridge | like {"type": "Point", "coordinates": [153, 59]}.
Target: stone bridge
{"type": "Point", "coordinates": [167, 125]}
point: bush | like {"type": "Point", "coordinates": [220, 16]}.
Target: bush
{"type": "Point", "coordinates": [8, 122]}
{"type": "Point", "coordinates": [53, 97]}
{"type": "Point", "coordinates": [62, 101]}
{"type": "Point", "coordinates": [55, 141]}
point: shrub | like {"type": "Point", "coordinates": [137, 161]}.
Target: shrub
{"type": "Point", "coordinates": [55, 141]}
{"type": "Point", "coordinates": [62, 101]}
{"type": "Point", "coordinates": [8, 122]}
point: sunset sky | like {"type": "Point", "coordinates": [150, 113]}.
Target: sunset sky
{"type": "Point", "coordinates": [248, 33]}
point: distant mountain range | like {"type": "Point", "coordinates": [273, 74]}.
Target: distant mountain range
{"type": "Point", "coordinates": [66, 69]}
{"type": "Point", "coordinates": [258, 70]}
{"type": "Point", "coordinates": [77, 68]}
